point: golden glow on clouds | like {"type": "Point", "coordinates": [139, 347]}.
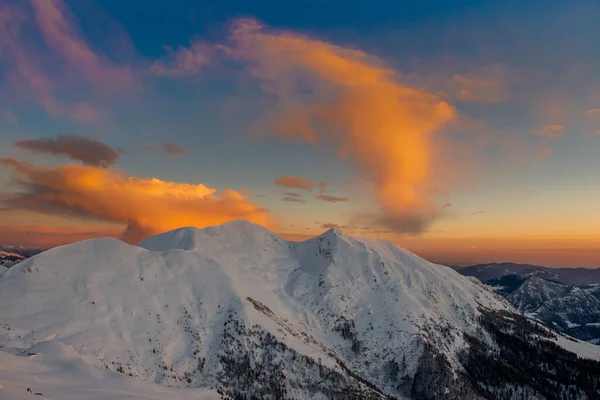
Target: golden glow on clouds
{"type": "Point", "coordinates": [149, 206]}
{"type": "Point", "coordinates": [326, 95]}
{"type": "Point", "coordinates": [356, 104]}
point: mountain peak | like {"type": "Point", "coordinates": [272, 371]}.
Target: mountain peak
{"type": "Point", "coordinates": [333, 232]}
{"type": "Point", "coordinates": [188, 238]}
{"type": "Point", "coordinates": [243, 297]}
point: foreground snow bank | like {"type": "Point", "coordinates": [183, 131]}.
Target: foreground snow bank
{"type": "Point", "coordinates": [58, 372]}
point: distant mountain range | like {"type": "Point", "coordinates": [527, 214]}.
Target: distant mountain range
{"type": "Point", "coordinates": [568, 276]}
{"type": "Point", "coordinates": [10, 256]}
{"type": "Point", "coordinates": [238, 309]}
{"type": "Point", "coordinates": [565, 299]}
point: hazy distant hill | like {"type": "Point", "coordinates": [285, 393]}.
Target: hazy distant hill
{"type": "Point", "coordinates": [565, 299]}
{"type": "Point", "coordinates": [10, 256]}
{"type": "Point", "coordinates": [568, 276]}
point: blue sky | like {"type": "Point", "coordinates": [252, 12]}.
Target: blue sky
{"type": "Point", "coordinates": [514, 165]}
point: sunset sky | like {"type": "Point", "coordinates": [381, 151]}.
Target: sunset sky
{"type": "Point", "coordinates": [466, 131]}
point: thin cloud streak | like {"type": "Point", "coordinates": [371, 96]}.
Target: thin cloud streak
{"type": "Point", "coordinates": [332, 199]}
{"type": "Point", "coordinates": [551, 131]}
{"type": "Point", "coordinates": [295, 182]}
{"type": "Point", "coordinates": [168, 148]}
{"type": "Point", "coordinates": [183, 62]}
{"type": "Point", "coordinates": [594, 111]}
{"type": "Point", "coordinates": [10, 117]}
{"type": "Point", "coordinates": [293, 199]}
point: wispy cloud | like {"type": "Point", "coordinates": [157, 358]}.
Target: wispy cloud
{"type": "Point", "coordinates": [88, 151]}
{"type": "Point", "coordinates": [169, 148]}
{"type": "Point", "coordinates": [10, 117]}
{"type": "Point", "coordinates": [594, 112]}
{"type": "Point", "coordinates": [58, 27]}
{"type": "Point", "coordinates": [322, 186]}
{"type": "Point", "coordinates": [479, 212]}
{"type": "Point", "coordinates": [35, 71]}
{"type": "Point", "coordinates": [293, 199]}
{"type": "Point", "coordinates": [332, 199]}
{"type": "Point", "coordinates": [292, 194]}
{"type": "Point", "coordinates": [545, 152]}
{"type": "Point", "coordinates": [184, 61]}
{"type": "Point", "coordinates": [551, 131]}
{"type": "Point", "coordinates": [295, 182]}
{"type": "Point", "coordinates": [489, 87]}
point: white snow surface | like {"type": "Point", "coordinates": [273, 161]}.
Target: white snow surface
{"type": "Point", "coordinates": [58, 372]}
{"type": "Point", "coordinates": [157, 305]}
{"type": "Point", "coordinates": [581, 348]}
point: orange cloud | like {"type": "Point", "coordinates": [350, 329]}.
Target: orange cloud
{"type": "Point", "coordinates": [148, 206]}
{"type": "Point", "coordinates": [332, 94]}
{"type": "Point", "coordinates": [88, 151]}
{"type": "Point", "coordinates": [295, 182]}
{"type": "Point", "coordinates": [184, 61]}
{"type": "Point", "coordinates": [332, 199]}
{"type": "Point", "coordinates": [551, 131]}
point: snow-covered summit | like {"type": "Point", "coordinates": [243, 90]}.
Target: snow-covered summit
{"type": "Point", "coordinates": [238, 232]}
{"type": "Point", "coordinates": [202, 307]}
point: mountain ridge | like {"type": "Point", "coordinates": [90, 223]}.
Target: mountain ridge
{"type": "Point", "coordinates": [238, 308]}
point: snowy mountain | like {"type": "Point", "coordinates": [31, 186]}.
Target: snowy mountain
{"type": "Point", "coordinates": [239, 309]}
{"type": "Point", "coordinates": [568, 276]}
{"type": "Point", "coordinates": [535, 291]}
{"type": "Point", "coordinates": [574, 310]}
{"type": "Point", "coordinates": [52, 370]}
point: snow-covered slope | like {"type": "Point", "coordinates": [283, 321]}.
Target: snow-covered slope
{"type": "Point", "coordinates": [56, 372]}
{"type": "Point", "coordinates": [239, 308]}
{"type": "Point", "coordinates": [574, 310]}
{"type": "Point", "coordinates": [534, 291]}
